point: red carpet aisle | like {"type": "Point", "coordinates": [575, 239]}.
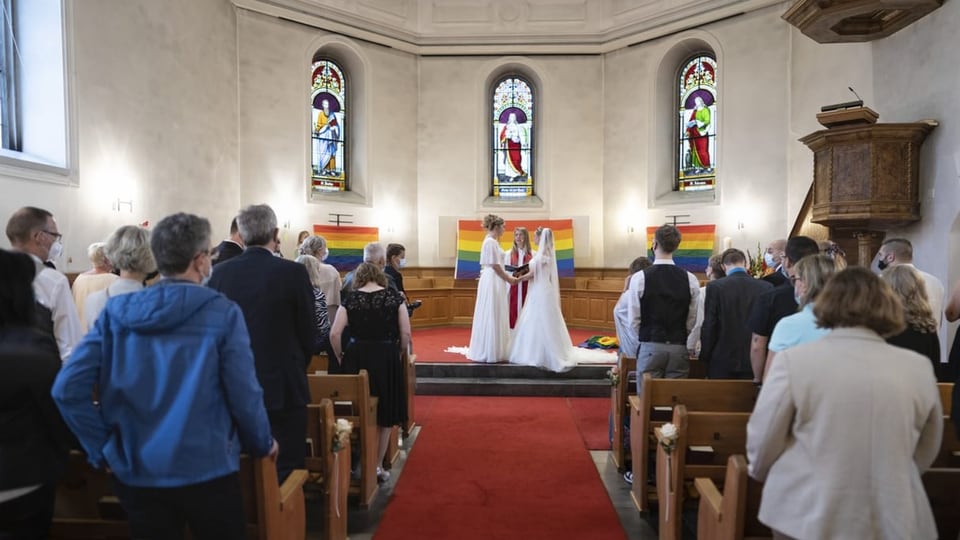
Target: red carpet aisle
{"type": "Point", "coordinates": [592, 415]}
{"type": "Point", "coordinates": [429, 343]}
{"type": "Point", "coordinates": [498, 468]}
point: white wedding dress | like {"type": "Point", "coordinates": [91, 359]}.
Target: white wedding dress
{"type": "Point", "coordinates": [541, 338]}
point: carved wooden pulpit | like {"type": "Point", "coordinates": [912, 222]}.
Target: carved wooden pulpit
{"type": "Point", "coordinates": [866, 175]}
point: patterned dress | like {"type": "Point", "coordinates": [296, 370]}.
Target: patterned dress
{"type": "Point", "coordinates": [374, 345]}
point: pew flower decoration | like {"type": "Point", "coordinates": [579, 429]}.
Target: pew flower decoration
{"type": "Point", "coordinates": [613, 374]}
{"type": "Point", "coordinates": [668, 437]}
{"type": "Point", "coordinates": [341, 433]}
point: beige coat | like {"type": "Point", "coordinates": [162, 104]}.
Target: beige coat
{"type": "Point", "coordinates": [840, 434]}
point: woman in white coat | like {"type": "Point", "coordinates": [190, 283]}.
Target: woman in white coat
{"type": "Point", "coordinates": [844, 426]}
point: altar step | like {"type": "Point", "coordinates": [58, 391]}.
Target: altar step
{"type": "Point", "coordinates": [459, 379]}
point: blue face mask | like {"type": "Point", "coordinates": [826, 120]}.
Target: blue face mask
{"type": "Point", "coordinates": [403, 263]}
{"type": "Point", "coordinates": [769, 260]}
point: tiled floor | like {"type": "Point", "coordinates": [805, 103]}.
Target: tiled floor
{"type": "Point", "coordinates": [362, 524]}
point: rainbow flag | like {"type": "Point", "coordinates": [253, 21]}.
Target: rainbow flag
{"type": "Point", "coordinates": [345, 243]}
{"type": "Point", "coordinates": [470, 235]}
{"type": "Point", "coordinates": [696, 246]}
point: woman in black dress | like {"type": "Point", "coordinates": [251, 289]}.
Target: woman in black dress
{"type": "Point", "coordinates": [379, 331]}
{"type": "Point", "coordinates": [921, 333]}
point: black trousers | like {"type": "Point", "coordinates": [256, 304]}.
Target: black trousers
{"type": "Point", "coordinates": [212, 509]}
{"type": "Point", "coordinates": [28, 517]}
{"type": "Point", "coordinates": [289, 428]}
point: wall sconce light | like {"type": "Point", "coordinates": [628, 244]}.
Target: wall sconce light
{"type": "Point", "coordinates": [118, 204]}
{"type": "Point", "coordinates": [741, 225]}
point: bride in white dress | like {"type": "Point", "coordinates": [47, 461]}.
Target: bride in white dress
{"type": "Point", "coordinates": [541, 338]}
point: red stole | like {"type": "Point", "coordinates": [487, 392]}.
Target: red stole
{"type": "Point", "coordinates": [518, 292]}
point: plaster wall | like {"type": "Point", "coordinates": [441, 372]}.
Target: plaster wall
{"type": "Point", "coordinates": [154, 107]}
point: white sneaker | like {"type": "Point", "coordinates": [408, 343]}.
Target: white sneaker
{"type": "Point", "coordinates": [382, 476]}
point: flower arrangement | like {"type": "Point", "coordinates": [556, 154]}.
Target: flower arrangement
{"type": "Point", "coordinates": [613, 375]}
{"type": "Point", "coordinates": [341, 433]}
{"type": "Point", "coordinates": [758, 268]}
{"type": "Point", "coordinates": [668, 437]}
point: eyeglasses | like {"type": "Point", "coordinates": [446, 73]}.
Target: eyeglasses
{"type": "Point", "coordinates": [56, 235]}
{"type": "Point", "coordinates": [794, 280]}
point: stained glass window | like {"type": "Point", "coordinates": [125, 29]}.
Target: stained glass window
{"type": "Point", "coordinates": [512, 138]}
{"type": "Point", "coordinates": [697, 122]}
{"type": "Point", "coordinates": [328, 98]}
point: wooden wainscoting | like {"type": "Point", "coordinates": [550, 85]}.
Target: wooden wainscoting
{"type": "Point", "coordinates": [587, 300]}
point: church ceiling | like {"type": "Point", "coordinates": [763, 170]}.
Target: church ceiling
{"type": "Point", "coordinates": [430, 27]}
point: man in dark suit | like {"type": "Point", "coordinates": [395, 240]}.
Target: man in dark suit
{"type": "Point", "coordinates": [773, 258]}
{"type": "Point", "coordinates": [277, 302]}
{"type": "Point", "coordinates": [724, 337]}
{"type": "Point", "coordinates": [229, 248]}
{"type": "Point", "coordinates": [775, 304]}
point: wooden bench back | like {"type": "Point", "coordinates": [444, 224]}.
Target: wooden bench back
{"type": "Point", "coordinates": [946, 397]}
{"type": "Point", "coordinates": [351, 399]}
{"type": "Point", "coordinates": [620, 407]}
{"type": "Point", "coordinates": [696, 395]}
{"type": "Point", "coordinates": [329, 470]}
{"type": "Point", "coordinates": [724, 432]}
{"type": "Point", "coordinates": [731, 515]}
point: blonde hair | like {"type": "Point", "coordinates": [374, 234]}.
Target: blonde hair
{"type": "Point", "coordinates": [909, 285]}
{"type": "Point", "coordinates": [312, 264]}
{"type": "Point", "coordinates": [96, 252]}
{"type": "Point", "coordinates": [492, 221]}
{"type": "Point", "coordinates": [856, 297]}
{"type": "Point", "coordinates": [815, 271]}
{"type": "Point", "coordinates": [517, 233]}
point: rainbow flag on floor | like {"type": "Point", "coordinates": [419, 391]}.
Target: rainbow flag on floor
{"type": "Point", "coordinates": [696, 246]}
{"type": "Point", "coordinates": [470, 235]}
{"type": "Point", "coordinates": [345, 243]}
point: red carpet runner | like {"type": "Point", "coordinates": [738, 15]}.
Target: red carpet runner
{"type": "Point", "coordinates": [429, 344]}
{"type": "Point", "coordinates": [498, 468]}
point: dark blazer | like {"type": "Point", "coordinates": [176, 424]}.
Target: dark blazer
{"type": "Point", "coordinates": [775, 278]}
{"type": "Point", "coordinates": [725, 336]}
{"type": "Point", "coordinates": [277, 302]}
{"type": "Point", "coordinates": [227, 250]}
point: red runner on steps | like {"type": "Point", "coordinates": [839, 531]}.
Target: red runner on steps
{"type": "Point", "coordinates": [429, 344]}
{"type": "Point", "coordinates": [498, 468]}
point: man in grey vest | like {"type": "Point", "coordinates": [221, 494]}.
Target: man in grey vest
{"type": "Point", "coordinates": [663, 308]}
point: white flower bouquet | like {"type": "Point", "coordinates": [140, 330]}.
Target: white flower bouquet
{"type": "Point", "coordinates": [613, 375]}
{"type": "Point", "coordinates": [341, 433]}
{"type": "Point", "coordinates": [668, 437]}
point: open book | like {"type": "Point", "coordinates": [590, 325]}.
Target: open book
{"type": "Point", "coordinates": [517, 271]}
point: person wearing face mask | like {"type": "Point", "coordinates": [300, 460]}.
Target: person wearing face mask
{"type": "Point", "coordinates": [773, 260]}
{"type": "Point", "coordinates": [178, 395]}
{"type": "Point", "coordinates": [896, 251]}
{"type": "Point", "coordinates": [396, 259]}
{"type": "Point", "coordinates": [810, 276]}
{"type": "Point", "coordinates": [329, 278]}
{"type": "Point", "coordinates": [278, 303]}
{"type": "Point", "coordinates": [33, 231]}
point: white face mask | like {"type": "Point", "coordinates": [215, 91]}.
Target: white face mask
{"type": "Point", "coordinates": [205, 277]}
{"type": "Point", "coordinates": [769, 260]}
{"type": "Point", "coordinates": [403, 263]}
{"type": "Point", "coordinates": [326, 253]}
{"type": "Point", "coordinates": [56, 250]}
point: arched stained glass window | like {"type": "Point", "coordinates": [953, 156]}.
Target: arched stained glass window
{"type": "Point", "coordinates": [697, 116]}
{"type": "Point", "coordinates": [328, 100]}
{"type": "Point", "coordinates": [512, 138]}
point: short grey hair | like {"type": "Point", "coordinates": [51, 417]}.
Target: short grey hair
{"type": "Point", "coordinates": [374, 252]}
{"type": "Point", "coordinates": [257, 224]}
{"type": "Point", "coordinates": [313, 245]}
{"type": "Point", "coordinates": [177, 239]}
{"type": "Point", "coordinates": [312, 265]}
{"type": "Point", "coordinates": [128, 248]}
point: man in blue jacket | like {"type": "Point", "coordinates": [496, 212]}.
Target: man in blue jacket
{"type": "Point", "coordinates": [178, 395]}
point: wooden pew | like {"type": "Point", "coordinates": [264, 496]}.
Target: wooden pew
{"type": "Point", "coordinates": [946, 397]}
{"type": "Point", "coordinates": [329, 470]}
{"type": "Point", "coordinates": [352, 394]}
{"type": "Point", "coordinates": [731, 515]}
{"type": "Point", "coordinates": [86, 509]}
{"type": "Point", "coordinates": [620, 408]}
{"type": "Point", "coordinates": [664, 394]}
{"type": "Point", "coordinates": [410, 377]}
{"type": "Point", "coordinates": [723, 433]}
{"type": "Point", "coordinates": [318, 362]}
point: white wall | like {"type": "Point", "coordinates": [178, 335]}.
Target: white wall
{"type": "Point", "coordinates": [274, 79]}
{"type": "Point", "coordinates": [155, 111]}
